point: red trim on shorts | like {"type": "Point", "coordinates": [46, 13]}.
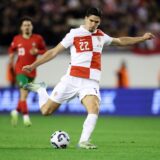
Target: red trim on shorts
{"type": "Point", "coordinates": [79, 71]}
{"type": "Point", "coordinates": [96, 61]}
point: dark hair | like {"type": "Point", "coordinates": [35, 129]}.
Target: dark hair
{"type": "Point", "coordinates": [25, 18]}
{"type": "Point", "coordinates": [94, 11]}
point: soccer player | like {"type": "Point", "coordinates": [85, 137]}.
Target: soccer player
{"type": "Point", "coordinates": [27, 46]}
{"type": "Point", "coordinates": [84, 72]}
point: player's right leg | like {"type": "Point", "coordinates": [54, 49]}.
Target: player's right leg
{"type": "Point", "coordinates": [63, 91]}
{"type": "Point", "coordinates": [47, 106]}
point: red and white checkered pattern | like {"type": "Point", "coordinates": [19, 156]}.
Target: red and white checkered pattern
{"type": "Point", "coordinates": [86, 49]}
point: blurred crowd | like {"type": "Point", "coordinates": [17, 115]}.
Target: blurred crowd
{"type": "Point", "coordinates": [54, 18]}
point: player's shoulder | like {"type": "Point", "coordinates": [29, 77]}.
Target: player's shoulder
{"type": "Point", "coordinates": [99, 32]}
{"type": "Point", "coordinates": [75, 30]}
{"type": "Point", "coordinates": [38, 36]}
{"type": "Point", "coordinates": [18, 36]}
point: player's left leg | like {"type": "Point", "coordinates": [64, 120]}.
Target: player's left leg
{"type": "Point", "coordinates": [91, 102]}
{"type": "Point", "coordinates": [24, 108]}
{"type": "Point", "coordinates": [22, 105]}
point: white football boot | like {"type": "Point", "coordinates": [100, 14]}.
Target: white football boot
{"type": "Point", "coordinates": [34, 86]}
{"type": "Point", "coordinates": [26, 120]}
{"type": "Point", "coordinates": [87, 145]}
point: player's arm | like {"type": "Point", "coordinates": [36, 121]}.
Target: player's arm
{"type": "Point", "coordinates": [11, 71]}
{"type": "Point", "coordinates": [124, 41]}
{"type": "Point", "coordinates": [11, 59]}
{"type": "Point", "coordinates": [12, 50]}
{"type": "Point", "coordinates": [47, 56]}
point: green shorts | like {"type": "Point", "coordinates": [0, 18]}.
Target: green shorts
{"type": "Point", "coordinates": [22, 79]}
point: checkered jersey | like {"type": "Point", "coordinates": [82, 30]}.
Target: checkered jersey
{"type": "Point", "coordinates": [86, 49]}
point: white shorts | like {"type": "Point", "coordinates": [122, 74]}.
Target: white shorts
{"type": "Point", "coordinates": [70, 87]}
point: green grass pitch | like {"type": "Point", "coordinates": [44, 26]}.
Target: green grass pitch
{"type": "Point", "coordinates": [117, 138]}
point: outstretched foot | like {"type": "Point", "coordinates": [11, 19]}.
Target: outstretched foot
{"type": "Point", "coordinates": [87, 145]}
{"type": "Point", "coordinates": [34, 86]}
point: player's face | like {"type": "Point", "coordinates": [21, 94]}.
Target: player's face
{"type": "Point", "coordinates": [92, 22]}
{"type": "Point", "coordinates": [26, 27]}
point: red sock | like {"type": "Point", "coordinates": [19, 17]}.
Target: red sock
{"type": "Point", "coordinates": [19, 106]}
{"type": "Point", "coordinates": [22, 106]}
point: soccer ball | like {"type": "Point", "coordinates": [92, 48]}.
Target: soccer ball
{"type": "Point", "coordinates": [60, 139]}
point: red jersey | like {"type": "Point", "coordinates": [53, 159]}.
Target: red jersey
{"type": "Point", "coordinates": [23, 46]}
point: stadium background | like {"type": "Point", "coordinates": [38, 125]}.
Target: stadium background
{"type": "Point", "coordinates": [53, 19]}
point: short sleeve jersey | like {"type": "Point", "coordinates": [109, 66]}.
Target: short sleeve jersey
{"type": "Point", "coordinates": [22, 47]}
{"type": "Point", "coordinates": [86, 50]}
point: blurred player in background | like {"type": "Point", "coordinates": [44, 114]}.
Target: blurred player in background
{"type": "Point", "coordinates": [84, 73]}
{"type": "Point", "coordinates": [27, 46]}
{"type": "Point", "coordinates": [122, 76]}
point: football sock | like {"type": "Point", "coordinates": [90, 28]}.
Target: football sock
{"type": "Point", "coordinates": [24, 107]}
{"type": "Point", "coordinates": [15, 112]}
{"type": "Point", "coordinates": [43, 96]}
{"type": "Point", "coordinates": [88, 127]}
{"type": "Point", "coordinates": [26, 117]}
{"type": "Point", "coordinates": [18, 109]}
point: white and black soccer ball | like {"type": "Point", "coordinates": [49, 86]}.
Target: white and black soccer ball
{"type": "Point", "coordinates": [60, 139]}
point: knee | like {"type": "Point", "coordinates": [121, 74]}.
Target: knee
{"type": "Point", "coordinates": [45, 111]}
{"type": "Point", "coordinates": [94, 108]}
{"type": "Point", "coordinates": [48, 109]}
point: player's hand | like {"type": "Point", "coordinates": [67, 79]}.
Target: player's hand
{"type": "Point", "coordinates": [148, 36]}
{"type": "Point", "coordinates": [27, 68]}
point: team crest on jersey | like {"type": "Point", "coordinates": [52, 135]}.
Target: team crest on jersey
{"type": "Point", "coordinates": [19, 45]}
{"type": "Point", "coordinates": [33, 44]}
